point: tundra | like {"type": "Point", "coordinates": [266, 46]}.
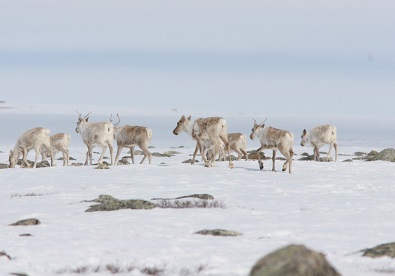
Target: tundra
{"type": "Point", "coordinates": [34, 138]}
{"type": "Point", "coordinates": [318, 136]}
{"type": "Point", "coordinates": [96, 133]}
{"type": "Point", "coordinates": [274, 139]}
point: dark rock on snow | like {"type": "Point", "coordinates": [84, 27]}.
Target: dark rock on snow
{"type": "Point", "coordinates": [384, 155]}
{"type": "Point", "coordinates": [293, 260]}
{"type": "Point", "coordinates": [24, 222]}
{"type": "Point", "coordinates": [109, 203]}
{"type": "Point", "coordinates": [387, 249]}
{"type": "Point", "coordinates": [219, 232]}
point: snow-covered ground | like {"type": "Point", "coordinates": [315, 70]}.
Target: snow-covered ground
{"type": "Point", "coordinates": [336, 208]}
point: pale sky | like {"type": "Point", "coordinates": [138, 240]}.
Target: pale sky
{"type": "Point", "coordinates": [318, 57]}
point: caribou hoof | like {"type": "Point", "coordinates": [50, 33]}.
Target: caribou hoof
{"type": "Point", "coordinates": [231, 165]}
{"type": "Point", "coordinates": [260, 165]}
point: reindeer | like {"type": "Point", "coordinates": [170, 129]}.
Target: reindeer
{"type": "Point", "coordinates": [34, 138]}
{"type": "Point", "coordinates": [59, 142]}
{"type": "Point", "coordinates": [130, 136]}
{"type": "Point", "coordinates": [318, 136]}
{"type": "Point", "coordinates": [272, 138]}
{"type": "Point", "coordinates": [96, 133]}
{"type": "Point", "coordinates": [212, 128]}
{"type": "Point", "coordinates": [237, 143]}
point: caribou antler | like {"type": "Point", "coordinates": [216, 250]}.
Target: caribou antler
{"type": "Point", "coordinates": [119, 120]}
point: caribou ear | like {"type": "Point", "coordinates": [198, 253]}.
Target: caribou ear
{"type": "Point", "coordinates": [262, 125]}
{"type": "Point", "coordinates": [304, 132]}
{"type": "Point", "coordinates": [189, 118]}
{"type": "Point", "coordinates": [87, 118]}
{"type": "Point", "coordinates": [183, 117]}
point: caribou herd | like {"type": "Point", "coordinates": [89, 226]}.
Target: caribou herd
{"type": "Point", "coordinates": [211, 136]}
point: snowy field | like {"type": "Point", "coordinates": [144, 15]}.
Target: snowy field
{"type": "Point", "coordinates": [335, 208]}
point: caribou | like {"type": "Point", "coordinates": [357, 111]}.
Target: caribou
{"type": "Point", "coordinates": [211, 128]}
{"type": "Point", "coordinates": [318, 136]}
{"type": "Point", "coordinates": [130, 136]}
{"type": "Point", "coordinates": [31, 139]}
{"type": "Point", "coordinates": [237, 143]}
{"type": "Point", "coordinates": [274, 139]}
{"type": "Point", "coordinates": [59, 142]}
{"type": "Point", "coordinates": [96, 133]}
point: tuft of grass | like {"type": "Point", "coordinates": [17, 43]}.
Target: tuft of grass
{"type": "Point", "coordinates": [31, 195]}
{"type": "Point", "coordinates": [120, 269]}
{"type": "Point", "coordinates": [181, 204]}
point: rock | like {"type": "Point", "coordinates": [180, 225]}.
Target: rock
{"type": "Point", "coordinates": [384, 155]}
{"type": "Point", "coordinates": [293, 260]}
{"type": "Point", "coordinates": [219, 232]}
{"type": "Point", "coordinates": [157, 154]}
{"type": "Point", "coordinates": [348, 160]}
{"type": "Point", "coordinates": [172, 152]}
{"type": "Point", "coordinates": [102, 166]}
{"type": "Point", "coordinates": [306, 157]}
{"type": "Point", "coordinates": [43, 164]}
{"type": "Point", "coordinates": [24, 222]}
{"type": "Point", "coordinates": [3, 166]}
{"type": "Point", "coordinates": [199, 196]}
{"type": "Point", "coordinates": [2, 253]}
{"type": "Point", "coordinates": [123, 161]}
{"type": "Point", "coordinates": [382, 250]}
{"type": "Point", "coordinates": [189, 161]}
{"type": "Point", "coordinates": [360, 153]}
{"type": "Point", "coordinates": [109, 203]}
{"type": "Point", "coordinates": [25, 235]}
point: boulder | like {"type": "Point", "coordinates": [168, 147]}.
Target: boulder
{"type": "Point", "coordinates": [293, 260]}
{"type": "Point", "coordinates": [219, 232]}
{"type": "Point", "coordinates": [387, 249]}
{"type": "Point", "coordinates": [109, 203]}
{"type": "Point", "coordinates": [384, 155]}
{"type": "Point", "coordinates": [26, 222]}
{"type": "Point", "coordinates": [102, 166]}
{"type": "Point", "coordinates": [3, 166]}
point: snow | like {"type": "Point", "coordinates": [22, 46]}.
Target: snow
{"type": "Point", "coordinates": [336, 208]}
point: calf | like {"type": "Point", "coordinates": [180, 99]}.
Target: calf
{"type": "Point", "coordinates": [100, 133]}
{"type": "Point", "coordinates": [212, 128]}
{"type": "Point", "coordinates": [274, 139]}
{"type": "Point", "coordinates": [237, 143]}
{"type": "Point", "coordinates": [318, 136]}
{"type": "Point", "coordinates": [32, 139]}
{"type": "Point", "coordinates": [130, 136]}
{"type": "Point", "coordinates": [59, 142]}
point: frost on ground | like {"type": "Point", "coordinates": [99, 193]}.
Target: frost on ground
{"type": "Point", "coordinates": [333, 207]}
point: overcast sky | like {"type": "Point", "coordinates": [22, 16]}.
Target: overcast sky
{"type": "Point", "coordinates": [275, 57]}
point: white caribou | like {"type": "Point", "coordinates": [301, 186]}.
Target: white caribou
{"type": "Point", "coordinates": [59, 142]}
{"type": "Point", "coordinates": [274, 139]}
{"type": "Point", "coordinates": [34, 138]}
{"type": "Point", "coordinates": [96, 133]}
{"type": "Point", "coordinates": [130, 136]}
{"type": "Point", "coordinates": [318, 136]}
{"type": "Point", "coordinates": [211, 128]}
